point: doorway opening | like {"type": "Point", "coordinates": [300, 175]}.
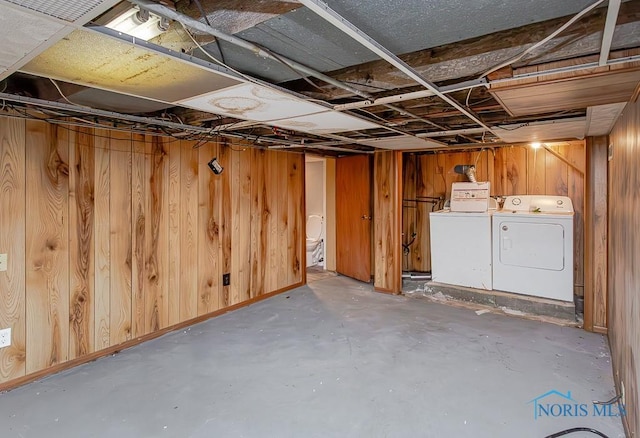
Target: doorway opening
{"type": "Point", "coordinates": [320, 217]}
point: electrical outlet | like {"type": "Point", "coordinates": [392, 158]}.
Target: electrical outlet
{"type": "Point", "coordinates": [3, 262]}
{"type": "Point", "coordinates": [5, 337]}
{"type": "Point", "coordinates": [226, 279]}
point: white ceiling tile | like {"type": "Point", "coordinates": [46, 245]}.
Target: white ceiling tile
{"type": "Point", "coordinates": [253, 102]}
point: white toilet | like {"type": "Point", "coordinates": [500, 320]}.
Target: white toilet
{"type": "Point", "coordinates": [315, 243]}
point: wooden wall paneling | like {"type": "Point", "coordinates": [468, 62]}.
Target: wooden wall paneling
{"type": "Point", "coordinates": [556, 175]}
{"type": "Point", "coordinates": [272, 211]}
{"type": "Point", "coordinates": [200, 231]}
{"type": "Point", "coordinates": [114, 220]}
{"type": "Point", "coordinates": [241, 231]}
{"type": "Point", "coordinates": [81, 241]}
{"type": "Point", "coordinates": [224, 154]}
{"type": "Point", "coordinates": [409, 207]}
{"type": "Point", "coordinates": [157, 307]}
{"type": "Point", "coordinates": [440, 178]}
{"type": "Point", "coordinates": [574, 152]}
{"type": "Point", "coordinates": [428, 170]}
{"type": "Point", "coordinates": [387, 221]}
{"type": "Point", "coordinates": [450, 161]}
{"type": "Point", "coordinates": [511, 172]}
{"type": "Point", "coordinates": [176, 292]}
{"type": "Point", "coordinates": [491, 172]}
{"type": "Point", "coordinates": [198, 222]}
{"type": "Point", "coordinates": [295, 229]}
{"type": "Point", "coordinates": [420, 250]}
{"type": "Point", "coordinates": [499, 180]}
{"type": "Point", "coordinates": [12, 242]}
{"type": "Point", "coordinates": [283, 219]}
{"type": "Point", "coordinates": [102, 245]}
{"type": "Point", "coordinates": [236, 281]}
{"type": "Point", "coordinates": [536, 176]}
{"type": "Point", "coordinates": [122, 225]}
{"type": "Point", "coordinates": [47, 252]}
{"type": "Point", "coordinates": [259, 222]}
{"type": "Point", "coordinates": [623, 248]}
{"type": "Point", "coordinates": [481, 160]}
{"type": "Point", "coordinates": [595, 305]}
{"type": "Point", "coordinates": [141, 158]}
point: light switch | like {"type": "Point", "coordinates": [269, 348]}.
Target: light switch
{"type": "Point", "coordinates": [3, 262]}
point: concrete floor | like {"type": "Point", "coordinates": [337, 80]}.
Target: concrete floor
{"type": "Point", "coordinates": [330, 360]}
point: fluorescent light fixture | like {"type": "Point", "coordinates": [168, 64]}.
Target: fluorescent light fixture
{"type": "Point", "coordinates": [139, 23]}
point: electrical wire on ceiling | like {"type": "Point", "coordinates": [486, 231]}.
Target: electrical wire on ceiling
{"type": "Point", "coordinates": [206, 19]}
{"type": "Point", "coordinates": [216, 60]}
{"type": "Point", "coordinates": [55, 84]}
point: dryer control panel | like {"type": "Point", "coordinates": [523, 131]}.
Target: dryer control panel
{"type": "Point", "coordinates": [538, 204]}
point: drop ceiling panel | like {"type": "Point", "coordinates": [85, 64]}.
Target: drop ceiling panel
{"type": "Point", "coordinates": [96, 60]}
{"type": "Point", "coordinates": [542, 131]}
{"type": "Point", "coordinates": [600, 119]}
{"type": "Point", "coordinates": [28, 27]}
{"type": "Point", "coordinates": [570, 93]}
{"type": "Point", "coordinates": [253, 102]}
{"type": "Point", "coordinates": [325, 123]}
{"type": "Point", "coordinates": [401, 142]}
{"type": "Point", "coordinates": [21, 33]}
{"type": "Point", "coordinates": [67, 10]}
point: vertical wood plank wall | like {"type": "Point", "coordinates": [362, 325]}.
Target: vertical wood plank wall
{"type": "Point", "coordinates": [112, 236]}
{"type": "Point", "coordinates": [623, 260]}
{"type": "Point", "coordinates": [596, 235]}
{"type": "Point", "coordinates": [513, 170]}
{"type": "Point", "coordinates": [387, 191]}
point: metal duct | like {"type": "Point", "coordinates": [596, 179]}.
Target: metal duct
{"type": "Point", "coordinates": [466, 169]}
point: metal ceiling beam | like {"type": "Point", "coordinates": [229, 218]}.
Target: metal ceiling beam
{"type": "Point", "coordinates": [411, 96]}
{"type": "Point", "coordinates": [609, 28]}
{"type": "Point", "coordinates": [331, 16]}
{"type": "Point", "coordinates": [452, 132]}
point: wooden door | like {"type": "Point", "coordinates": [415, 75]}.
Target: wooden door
{"type": "Point", "coordinates": [353, 217]}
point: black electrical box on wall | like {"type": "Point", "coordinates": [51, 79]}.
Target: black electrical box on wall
{"type": "Point", "coordinates": [226, 279]}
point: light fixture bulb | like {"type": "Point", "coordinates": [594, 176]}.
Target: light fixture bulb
{"type": "Point", "coordinates": [536, 145]}
{"type": "Point", "coordinates": [139, 23]}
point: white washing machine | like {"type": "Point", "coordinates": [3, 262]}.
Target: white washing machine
{"type": "Point", "coordinates": [461, 248]}
{"type": "Point", "coordinates": [533, 246]}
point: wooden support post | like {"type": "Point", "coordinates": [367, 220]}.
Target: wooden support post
{"type": "Point", "coordinates": [595, 254]}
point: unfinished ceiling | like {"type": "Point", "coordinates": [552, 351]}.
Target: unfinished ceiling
{"type": "Point", "coordinates": [332, 77]}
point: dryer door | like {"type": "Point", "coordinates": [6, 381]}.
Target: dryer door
{"type": "Point", "coordinates": [532, 245]}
